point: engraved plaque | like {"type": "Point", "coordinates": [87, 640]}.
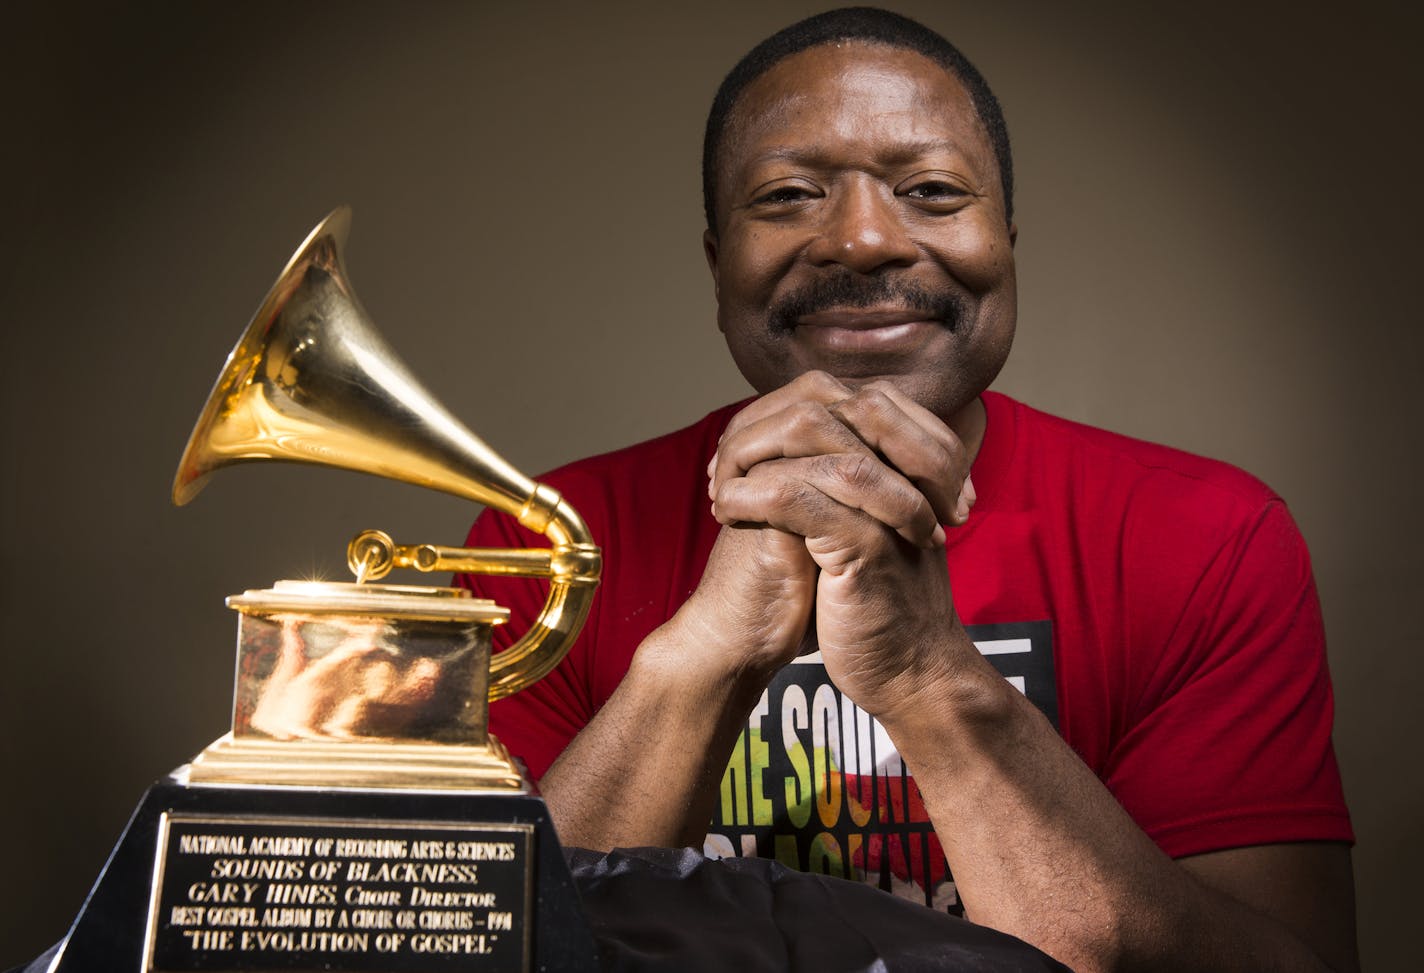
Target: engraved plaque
{"type": "Point", "coordinates": [273, 893]}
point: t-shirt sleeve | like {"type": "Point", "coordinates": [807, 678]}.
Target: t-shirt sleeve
{"type": "Point", "coordinates": [1229, 740]}
{"type": "Point", "coordinates": [537, 723]}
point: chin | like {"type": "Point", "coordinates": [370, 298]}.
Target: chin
{"type": "Point", "coordinates": [945, 398]}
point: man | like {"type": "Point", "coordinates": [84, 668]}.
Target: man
{"type": "Point", "coordinates": [860, 238]}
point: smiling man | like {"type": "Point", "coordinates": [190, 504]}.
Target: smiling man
{"type": "Point", "coordinates": [814, 598]}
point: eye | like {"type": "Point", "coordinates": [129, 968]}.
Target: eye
{"type": "Point", "coordinates": [934, 190]}
{"type": "Point", "coordinates": [936, 194]}
{"type": "Point", "coordinates": [784, 195]}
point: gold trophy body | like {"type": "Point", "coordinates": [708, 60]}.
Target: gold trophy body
{"type": "Point", "coordinates": [358, 816]}
{"type": "Point", "coordinates": [361, 685]}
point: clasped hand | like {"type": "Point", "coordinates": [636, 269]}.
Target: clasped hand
{"type": "Point", "coordinates": [834, 497]}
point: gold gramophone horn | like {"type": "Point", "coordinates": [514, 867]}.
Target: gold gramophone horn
{"type": "Point", "coordinates": [312, 381]}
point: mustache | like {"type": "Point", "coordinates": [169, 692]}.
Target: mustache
{"type": "Point", "coordinates": [847, 289]}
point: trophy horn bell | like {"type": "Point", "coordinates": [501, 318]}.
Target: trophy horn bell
{"type": "Point", "coordinates": [312, 381]}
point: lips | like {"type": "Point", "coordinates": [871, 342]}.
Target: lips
{"type": "Point", "coordinates": [849, 302]}
{"type": "Point", "coordinates": [865, 319]}
{"type": "Point", "coordinates": [867, 330]}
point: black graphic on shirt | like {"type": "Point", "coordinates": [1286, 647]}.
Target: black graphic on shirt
{"type": "Point", "coordinates": [816, 783]}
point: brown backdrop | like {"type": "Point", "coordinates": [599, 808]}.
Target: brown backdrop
{"type": "Point", "coordinates": [1218, 215]}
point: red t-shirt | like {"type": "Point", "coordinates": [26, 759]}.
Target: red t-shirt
{"type": "Point", "coordinates": [1158, 606]}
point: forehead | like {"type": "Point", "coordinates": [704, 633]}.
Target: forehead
{"type": "Point", "coordinates": [852, 91]}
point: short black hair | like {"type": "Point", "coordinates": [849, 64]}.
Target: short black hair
{"type": "Point", "coordinates": [874, 26]}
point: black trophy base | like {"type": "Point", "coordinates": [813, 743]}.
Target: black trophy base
{"type": "Point", "coordinates": [286, 879]}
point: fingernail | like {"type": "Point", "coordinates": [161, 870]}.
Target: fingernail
{"type": "Point", "coordinates": [969, 492]}
{"type": "Point", "coordinates": [938, 537]}
{"type": "Point", "coordinates": [961, 512]}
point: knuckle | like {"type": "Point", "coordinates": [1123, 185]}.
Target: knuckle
{"type": "Point", "coordinates": [787, 493]}
{"type": "Point", "coordinates": [956, 450]}
{"type": "Point", "coordinates": [734, 491]}
{"type": "Point", "coordinates": [806, 416]}
{"type": "Point", "coordinates": [858, 471]}
{"type": "Point", "coordinates": [821, 382]}
{"type": "Point", "coordinates": [869, 407]}
{"type": "Point", "coordinates": [768, 484]}
{"type": "Point", "coordinates": [876, 396]}
{"type": "Point", "coordinates": [875, 402]}
{"type": "Point", "coordinates": [909, 512]}
{"type": "Point", "coordinates": [947, 467]}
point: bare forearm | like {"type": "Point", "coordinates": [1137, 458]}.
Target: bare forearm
{"type": "Point", "coordinates": [1041, 850]}
{"type": "Point", "coordinates": [645, 771]}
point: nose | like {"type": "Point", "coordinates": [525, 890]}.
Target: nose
{"type": "Point", "coordinates": [862, 230]}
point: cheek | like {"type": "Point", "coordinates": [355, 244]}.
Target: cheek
{"type": "Point", "coordinates": [980, 257]}
{"type": "Point", "coordinates": [751, 264]}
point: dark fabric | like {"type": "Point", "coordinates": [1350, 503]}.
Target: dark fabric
{"type": "Point", "coordinates": [666, 909]}
{"type": "Point", "coordinates": [655, 909]}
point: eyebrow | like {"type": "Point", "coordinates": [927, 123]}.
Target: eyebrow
{"type": "Point", "coordinates": [818, 157]}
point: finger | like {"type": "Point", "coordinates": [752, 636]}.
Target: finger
{"type": "Point", "coordinates": [800, 429]}
{"type": "Point", "coordinates": [967, 494]}
{"type": "Point", "coordinates": [810, 386]}
{"type": "Point", "coordinates": [826, 495]}
{"type": "Point", "coordinates": [885, 420]}
{"type": "Point", "coordinates": [814, 386]}
{"type": "Point", "coordinates": [931, 462]}
{"type": "Point", "coordinates": [801, 419]}
{"type": "Point", "coordinates": [914, 441]}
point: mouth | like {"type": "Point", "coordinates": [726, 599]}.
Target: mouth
{"type": "Point", "coordinates": [853, 308]}
{"type": "Point", "coordinates": [866, 318]}
{"type": "Point", "coordinates": [864, 331]}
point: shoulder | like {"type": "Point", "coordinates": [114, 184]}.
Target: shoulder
{"type": "Point", "coordinates": [651, 462]}
{"type": "Point", "coordinates": [652, 483]}
{"type": "Point", "coordinates": [1121, 469]}
{"type": "Point", "coordinates": [1162, 521]}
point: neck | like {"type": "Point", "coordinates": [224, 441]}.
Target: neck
{"type": "Point", "coordinates": [969, 424]}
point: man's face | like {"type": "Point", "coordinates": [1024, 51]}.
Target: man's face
{"type": "Point", "coordinates": [861, 228]}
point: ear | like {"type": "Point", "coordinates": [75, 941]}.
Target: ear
{"type": "Point", "coordinates": [1013, 234]}
{"type": "Point", "coordinates": [709, 250]}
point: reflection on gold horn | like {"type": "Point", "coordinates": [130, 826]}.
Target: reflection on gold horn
{"type": "Point", "coordinates": [312, 381]}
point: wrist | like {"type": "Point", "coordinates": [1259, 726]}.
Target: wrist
{"type": "Point", "coordinates": [688, 651]}
{"type": "Point", "coordinates": [957, 695]}
{"type": "Point", "coordinates": [730, 641]}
